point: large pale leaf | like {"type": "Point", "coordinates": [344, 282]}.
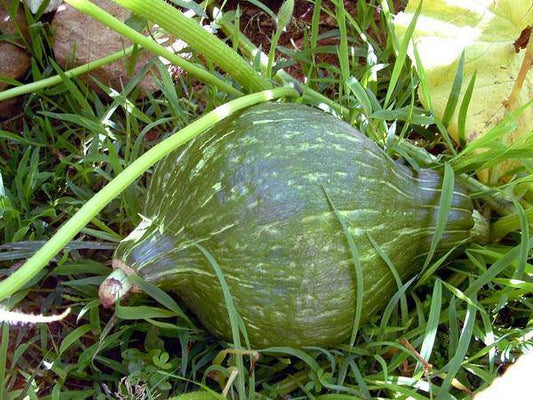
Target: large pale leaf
{"type": "Point", "coordinates": [486, 31]}
{"type": "Point", "coordinates": [514, 384]}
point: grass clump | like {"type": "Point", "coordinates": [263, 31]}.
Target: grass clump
{"type": "Point", "coordinates": [442, 336]}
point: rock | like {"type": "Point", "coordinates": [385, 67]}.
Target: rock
{"type": "Point", "coordinates": [35, 4]}
{"type": "Point", "coordinates": [13, 26]}
{"type": "Point", "coordinates": [79, 39]}
{"type": "Point", "coordinates": [14, 60]}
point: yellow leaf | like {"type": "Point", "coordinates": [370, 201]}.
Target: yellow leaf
{"type": "Point", "coordinates": [486, 31]}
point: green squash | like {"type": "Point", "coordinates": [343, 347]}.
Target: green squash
{"type": "Point", "coordinates": [253, 191]}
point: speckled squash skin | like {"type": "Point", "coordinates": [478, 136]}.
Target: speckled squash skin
{"type": "Point", "coordinates": [252, 191]}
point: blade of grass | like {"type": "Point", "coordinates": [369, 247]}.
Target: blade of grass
{"type": "Point", "coordinates": [3, 359]}
{"type": "Point", "coordinates": [401, 57]}
{"type": "Point", "coordinates": [445, 204]}
{"type": "Point", "coordinates": [398, 385]}
{"type": "Point", "coordinates": [357, 267]}
{"type": "Point", "coordinates": [263, 7]}
{"type": "Point", "coordinates": [361, 95]}
{"type": "Point", "coordinates": [452, 368]}
{"type": "Point", "coordinates": [394, 272]}
{"type": "Point", "coordinates": [431, 326]}
{"type": "Point", "coordinates": [461, 296]}
{"type": "Point", "coordinates": [360, 381]}
{"type": "Point", "coordinates": [342, 48]}
{"type": "Point", "coordinates": [17, 250]}
{"type": "Point", "coordinates": [315, 24]}
{"type": "Point", "coordinates": [504, 128]}
{"type": "Point", "coordinates": [233, 316]}
{"type": "Point", "coordinates": [455, 92]}
{"type": "Point", "coordinates": [160, 296]}
{"type": "Point", "coordinates": [453, 326]}
{"type": "Point", "coordinates": [463, 110]}
{"type": "Point", "coordinates": [282, 21]}
{"type": "Point", "coordinates": [446, 136]}
{"type": "Point", "coordinates": [73, 337]}
{"type": "Point", "coordinates": [422, 77]}
{"type": "Point", "coordinates": [338, 397]}
{"type": "Point", "coordinates": [489, 338]}
{"type": "Point", "coordinates": [496, 268]}
{"type": "Point", "coordinates": [142, 312]}
{"type": "Point", "coordinates": [387, 312]}
{"type": "Point", "coordinates": [302, 355]}
{"type": "Point", "coordinates": [524, 239]}
{"type": "Point", "coordinates": [428, 273]}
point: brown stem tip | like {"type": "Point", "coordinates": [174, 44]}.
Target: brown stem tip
{"type": "Point", "coordinates": [113, 288]}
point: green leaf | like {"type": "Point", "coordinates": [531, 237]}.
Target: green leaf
{"type": "Point", "coordinates": [357, 269]}
{"type": "Point", "coordinates": [455, 363]}
{"type": "Point", "coordinates": [3, 357]}
{"type": "Point", "coordinates": [289, 351]}
{"type": "Point", "coordinates": [285, 14]}
{"type": "Point", "coordinates": [461, 119]}
{"type": "Point", "coordinates": [233, 316]}
{"type": "Point", "coordinates": [160, 296]}
{"type": "Point", "coordinates": [360, 93]}
{"type": "Point", "coordinates": [16, 138]}
{"type": "Point", "coordinates": [402, 55]}
{"type": "Point", "coordinates": [397, 278]}
{"type": "Point", "coordinates": [497, 268]}
{"type": "Point", "coordinates": [73, 337]}
{"type": "Point", "coordinates": [455, 91]}
{"type": "Point", "coordinates": [432, 324]}
{"type": "Point", "coordinates": [142, 312]}
{"type": "Point", "coordinates": [445, 204]}
{"type": "Point", "coordinates": [524, 236]}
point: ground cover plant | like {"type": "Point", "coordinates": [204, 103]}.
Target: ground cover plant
{"type": "Point", "coordinates": [447, 334]}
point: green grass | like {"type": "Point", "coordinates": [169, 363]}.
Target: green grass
{"type": "Point", "coordinates": [468, 315]}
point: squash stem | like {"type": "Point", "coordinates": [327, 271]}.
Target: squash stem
{"type": "Point", "coordinates": [496, 199]}
{"type": "Point", "coordinates": [114, 287]}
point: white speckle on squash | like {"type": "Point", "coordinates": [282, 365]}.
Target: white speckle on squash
{"type": "Point", "coordinates": [316, 177]}
{"type": "Point", "coordinates": [139, 231]}
{"type": "Point", "coordinates": [224, 228]}
{"type": "Point", "coordinates": [196, 170]}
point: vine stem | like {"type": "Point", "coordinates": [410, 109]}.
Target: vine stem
{"type": "Point", "coordinates": [107, 19]}
{"type": "Point", "coordinates": [90, 209]}
{"type": "Point", "coordinates": [56, 79]}
{"type": "Point", "coordinates": [208, 45]}
{"type": "Point", "coordinates": [508, 224]}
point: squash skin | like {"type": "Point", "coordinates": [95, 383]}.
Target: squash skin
{"type": "Point", "coordinates": [251, 191]}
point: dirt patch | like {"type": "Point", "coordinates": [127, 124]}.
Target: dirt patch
{"type": "Point", "coordinates": [259, 27]}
